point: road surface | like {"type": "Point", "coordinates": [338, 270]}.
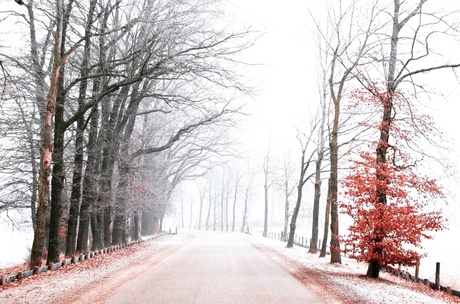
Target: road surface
{"type": "Point", "coordinates": [215, 268]}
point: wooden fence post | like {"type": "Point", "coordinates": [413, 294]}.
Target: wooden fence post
{"type": "Point", "coordinates": [437, 280]}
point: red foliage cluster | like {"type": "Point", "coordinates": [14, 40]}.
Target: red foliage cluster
{"type": "Point", "coordinates": [388, 228]}
{"type": "Point", "coordinates": [390, 232]}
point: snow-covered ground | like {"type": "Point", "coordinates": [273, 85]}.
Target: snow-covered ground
{"type": "Point", "coordinates": [439, 249]}
{"type": "Point", "coordinates": [347, 277]}
{"type": "Point", "coordinates": [16, 247]}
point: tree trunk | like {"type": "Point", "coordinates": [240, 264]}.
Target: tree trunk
{"type": "Point", "coordinates": [191, 216]}
{"type": "Point", "coordinates": [88, 210]}
{"type": "Point", "coordinates": [234, 206]}
{"type": "Point", "coordinates": [38, 246]}
{"type": "Point", "coordinates": [226, 210]}
{"type": "Point", "coordinates": [200, 215]}
{"type": "Point", "coordinates": [245, 211]}
{"type": "Point", "coordinates": [315, 223]}
{"type": "Point", "coordinates": [135, 230]}
{"type": "Point", "coordinates": [147, 224]}
{"type": "Point", "coordinates": [76, 193]}
{"type": "Point", "coordinates": [373, 269]}
{"type": "Point", "coordinates": [214, 227]}
{"type": "Point", "coordinates": [295, 212]}
{"type": "Point", "coordinates": [222, 207]}
{"type": "Point", "coordinates": [209, 208]}
{"type": "Point", "coordinates": [266, 207]}
{"type": "Point", "coordinates": [40, 98]}
{"type": "Point", "coordinates": [119, 224]}
{"type": "Point", "coordinates": [75, 196]}
{"type": "Point", "coordinates": [326, 230]}
{"type": "Point", "coordinates": [58, 179]}
{"type": "Point", "coordinates": [333, 189]}
{"type": "Point", "coordinates": [286, 218]}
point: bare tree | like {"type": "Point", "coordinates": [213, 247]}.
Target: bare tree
{"type": "Point", "coordinates": [286, 184]}
{"type": "Point", "coordinates": [305, 162]}
{"type": "Point", "coordinates": [347, 47]}
{"type": "Point", "coordinates": [267, 172]}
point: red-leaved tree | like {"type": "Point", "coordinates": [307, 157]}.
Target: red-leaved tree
{"type": "Point", "coordinates": [389, 232]}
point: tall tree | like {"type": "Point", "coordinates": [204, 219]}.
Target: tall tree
{"type": "Point", "coordinates": [305, 162]}
{"type": "Point", "coordinates": [38, 246]}
{"type": "Point", "coordinates": [267, 172]}
{"type": "Point", "coordinates": [386, 233]}
{"type": "Point", "coordinates": [286, 185]}
{"type": "Point", "coordinates": [407, 58]}
{"type": "Point", "coordinates": [348, 46]}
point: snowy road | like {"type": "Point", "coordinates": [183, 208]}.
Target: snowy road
{"type": "Point", "coordinates": [215, 268]}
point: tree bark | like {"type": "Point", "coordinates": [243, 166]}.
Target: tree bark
{"type": "Point", "coordinates": [38, 246]}
{"type": "Point", "coordinates": [326, 230]}
{"type": "Point", "coordinates": [333, 187]}
{"type": "Point", "coordinates": [317, 195]}
{"type": "Point", "coordinates": [295, 212]}
{"type": "Point", "coordinates": [58, 179]}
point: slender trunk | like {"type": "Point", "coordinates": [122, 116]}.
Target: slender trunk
{"type": "Point", "coordinates": [245, 211]}
{"type": "Point", "coordinates": [191, 216]}
{"type": "Point", "coordinates": [286, 217]}
{"type": "Point", "coordinates": [234, 206]}
{"type": "Point", "coordinates": [295, 212]}
{"type": "Point", "coordinates": [315, 223]}
{"type": "Point", "coordinates": [333, 189]}
{"type": "Point", "coordinates": [226, 210]}
{"type": "Point", "coordinates": [201, 210]}
{"type": "Point", "coordinates": [326, 229]}
{"type": "Point", "coordinates": [40, 98]}
{"type": "Point", "coordinates": [209, 208]}
{"type": "Point", "coordinates": [214, 227]}
{"type": "Point", "coordinates": [182, 213]}
{"type": "Point", "coordinates": [265, 233]}
{"type": "Point", "coordinates": [304, 164]}
{"type": "Point", "coordinates": [222, 207]}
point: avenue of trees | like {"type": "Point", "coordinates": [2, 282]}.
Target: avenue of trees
{"type": "Point", "coordinates": [129, 100]}
{"type": "Point", "coordinates": [108, 106]}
